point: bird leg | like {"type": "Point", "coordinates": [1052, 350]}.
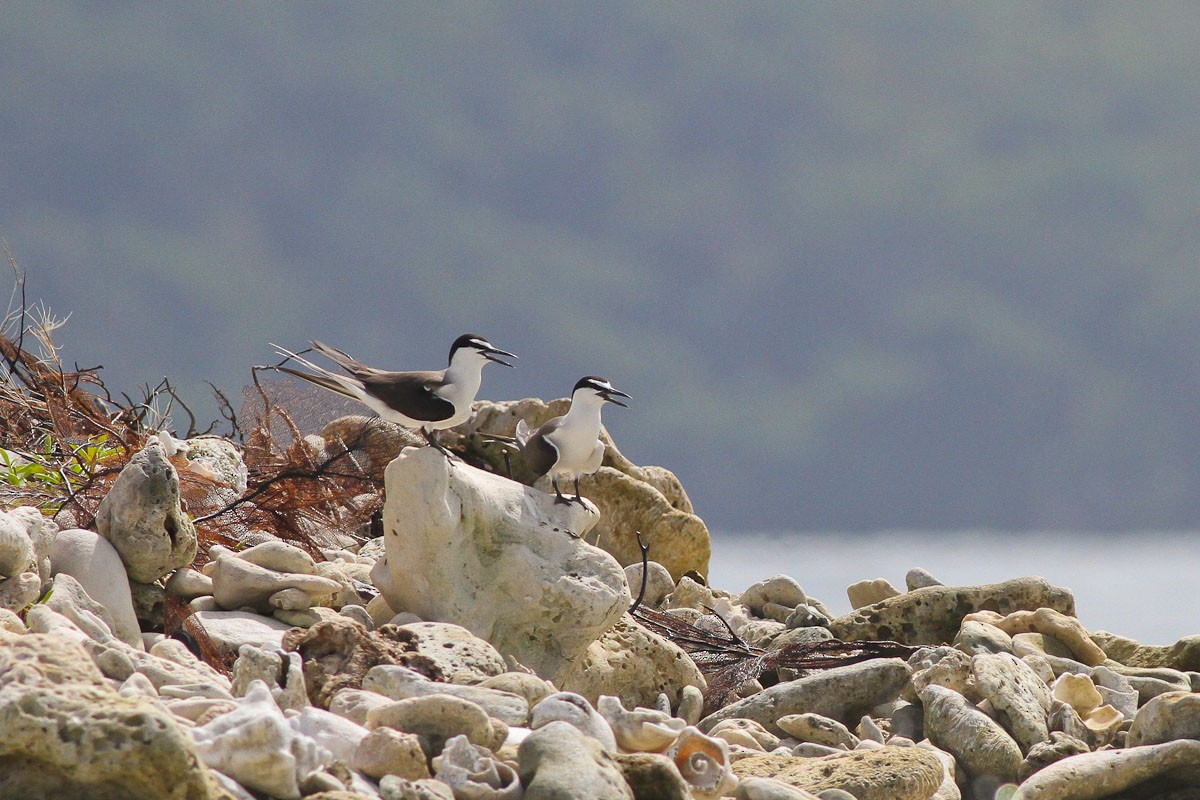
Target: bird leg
{"type": "Point", "coordinates": [435, 444]}
{"type": "Point", "coordinates": [578, 499]}
{"type": "Point", "coordinates": [558, 495]}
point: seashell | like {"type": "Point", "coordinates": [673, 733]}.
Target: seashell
{"type": "Point", "coordinates": [703, 761]}
{"type": "Point", "coordinates": [1116, 691]}
{"type": "Point", "coordinates": [574, 710]}
{"type": "Point", "coordinates": [474, 773]}
{"type": "Point", "coordinates": [1104, 722]}
{"type": "Point", "coordinates": [642, 730]}
{"type": "Point", "coordinates": [1077, 690]}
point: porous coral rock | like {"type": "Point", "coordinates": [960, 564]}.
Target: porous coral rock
{"type": "Point", "coordinates": [68, 733]}
{"type": "Point", "coordinates": [256, 746]}
{"type": "Point", "coordinates": [982, 747]}
{"type": "Point", "coordinates": [888, 773]}
{"type": "Point", "coordinates": [630, 498]}
{"type": "Point", "coordinates": [932, 615]}
{"type": "Point", "coordinates": [142, 518]}
{"type": "Point", "coordinates": [498, 558]}
{"type": "Point", "coordinates": [632, 663]}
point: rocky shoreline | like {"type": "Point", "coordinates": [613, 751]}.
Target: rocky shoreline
{"type": "Point", "coordinates": [482, 647]}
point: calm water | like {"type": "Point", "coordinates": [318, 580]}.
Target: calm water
{"type": "Point", "coordinates": [1144, 585]}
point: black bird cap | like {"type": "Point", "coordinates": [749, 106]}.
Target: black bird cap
{"type": "Point", "coordinates": [477, 342]}
{"type": "Point", "coordinates": [468, 340]}
{"type": "Point", "coordinates": [592, 382]}
{"type": "Point", "coordinates": [602, 387]}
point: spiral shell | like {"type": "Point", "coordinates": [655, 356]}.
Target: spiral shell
{"type": "Point", "coordinates": [474, 773]}
{"type": "Point", "coordinates": [703, 762]}
{"type": "Point", "coordinates": [1077, 691]}
{"type": "Point", "coordinates": [642, 730]}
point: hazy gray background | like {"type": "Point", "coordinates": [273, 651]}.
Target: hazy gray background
{"type": "Point", "coordinates": [861, 266]}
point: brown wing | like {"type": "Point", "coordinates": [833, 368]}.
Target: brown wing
{"type": "Point", "coordinates": [410, 393]}
{"type": "Point", "coordinates": [538, 451]}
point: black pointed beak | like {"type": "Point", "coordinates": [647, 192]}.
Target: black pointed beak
{"type": "Point", "coordinates": [492, 352]}
{"type": "Point", "coordinates": [611, 396]}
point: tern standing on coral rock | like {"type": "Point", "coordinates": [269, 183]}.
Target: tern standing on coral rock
{"type": "Point", "coordinates": [430, 400]}
{"type": "Point", "coordinates": [570, 446]}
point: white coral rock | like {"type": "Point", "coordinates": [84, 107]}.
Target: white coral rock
{"type": "Point", "coordinates": [256, 746]}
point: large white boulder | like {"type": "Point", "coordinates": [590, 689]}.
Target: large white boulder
{"type": "Point", "coordinates": [499, 558]}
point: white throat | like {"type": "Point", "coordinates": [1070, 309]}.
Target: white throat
{"type": "Point", "coordinates": [463, 377]}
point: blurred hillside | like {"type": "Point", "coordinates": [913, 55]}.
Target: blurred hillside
{"type": "Point", "coordinates": [860, 265]}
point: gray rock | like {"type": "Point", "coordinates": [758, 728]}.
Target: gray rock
{"type": "Point", "coordinates": [20, 591]}
{"type": "Point", "coordinates": [771, 789]}
{"type": "Point", "coordinates": [393, 787]}
{"type": "Point", "coordinates": [982, 747]}
{"type": "Point", "coordinates": [522, 684]}
{"type": "Point", "coordinates": [807, 615]}
{"type": "Point", "coordinates": [1091, 776]}
{"type": "Point", "coordinates": [691, 704]}
{"type": "Point", "coordinates": [933, 615]}
{"type": "Point", "coordinates": [142, 518]}
{"type": "Point", "coordinates": [229, 630]}
{"type": "Point", "coordinates": [496, 557]}
{"type": "Point", "coordinates": [811, 727]}
{"type": "Point", "coordinates": [386, 751]}
{"type": "Point", "coordinates": [275, 555]}
{"type": "Point", "coordinates": [16, 545]}
{"type": "Point", "coordinates": [842, 693]}
{"type": "Point", "coordinates": [1016, 691]}
{"type": "Point", "coordinates": [1150, 682]}
{"type": "Point", "coordinates": [918, 578]}
{"type": "Point", "coordinates": [219, 459]}
{"type": "Point", "coordinates": [658, 582]}
{"type": "Point", "coordinates": [95, 564]}
{"type": "Point", "coordinates": [1171, 715]}
{"type": "Point", "coordinates": [401, 683]}
{"type": "Point", "coordinates": [653, 776]}
{"type": "Point", "coordinates": [355, 704]}
{"type": "Point", "coordinates": [240, 584]}
{"type": "Point", "coordinates": [558, 762]}
{"type": "Point", "coordinates": [189, 584]}
{"type": "Point", "coordinates": [577, 712]}
{"type": "Point", "coordinates": [436, 719]}
{"type": "Point", "coordinates": [780, 590]}
{"type": "Point", "coordinates": [1042, 755]}
{"type": "Point", "coordinates": [976, 637]}
{"type": "Point", "coordinates": [282, 672]}
{"type": "Point", "coordinates": [68, 598]}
